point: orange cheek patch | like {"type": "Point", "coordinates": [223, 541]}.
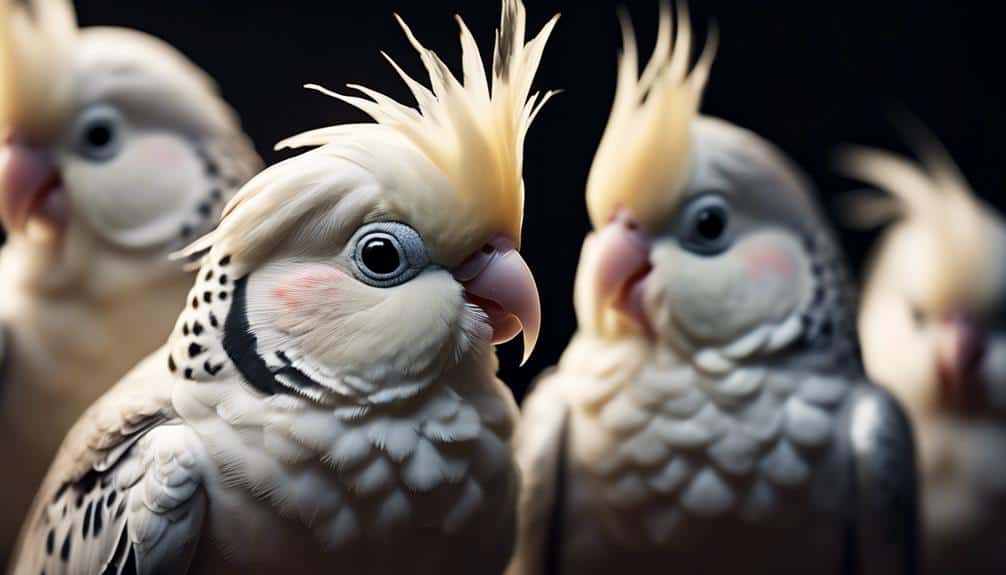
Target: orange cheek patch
{"type": "Point", "coordinates": [309, 288]}
{"type": "Point", "coordinates": [765, 261]}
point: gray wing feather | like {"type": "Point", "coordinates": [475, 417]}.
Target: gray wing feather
{"type": "Point", "coordinates": [886, 485]}
{"type": "Point", "coordinates": [540, 446]}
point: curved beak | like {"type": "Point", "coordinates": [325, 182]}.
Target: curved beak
{"type": "Point", "coordinates": [498, 280]}
{"type": "Point", "coordinates": [621, 264]}
{"type": "Point", "coordinates": [30, 186]}
{"type": "Point", "coordinates": [961, 347]}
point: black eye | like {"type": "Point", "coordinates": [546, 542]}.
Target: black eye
{"type": "Point", "coordinates": [387, 254]}
{"type": "Point", "coordinates": [98, 134]}
{"type": "Point", "coordinates": [380, 256]}
{"type": "Point", "coordinates": [704, 224]}
{"type": "Point", "coordinates": [711, 223]}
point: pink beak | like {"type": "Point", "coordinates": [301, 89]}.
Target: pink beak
{"type": "Point", "coordinates": [960, 351]}
{"type": "Point", "coordinates": [498, 280]}
{"type": "Point", "coordinates": [622, 262]}
{"type": "Point", "coordinates": [30, 186]}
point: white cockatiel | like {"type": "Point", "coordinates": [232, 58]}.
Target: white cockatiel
{"type": "Point", "coordinates": [328, 399]}
{"type": "Point", "coordinates": [711, 414]}
{"type": "Point", "coordinates": [934, 333]}
{"type": "Point", "coordinates": [116, 151]}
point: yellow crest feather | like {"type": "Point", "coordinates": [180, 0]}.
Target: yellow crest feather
{"type": "Point", "coordinates": [642, 161]}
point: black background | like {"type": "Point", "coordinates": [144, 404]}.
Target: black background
{"type": "Point", "coordinates": [807, 75]}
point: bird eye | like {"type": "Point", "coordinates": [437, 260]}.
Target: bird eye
{"type": "Point", "coordinates": [98, 134]}
{"type": "Point", "coordinates": [704, 226]}
{"type": "Point", "coordinates": [387, 254]}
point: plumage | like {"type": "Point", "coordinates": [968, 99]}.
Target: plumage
{"type": "Point", "coordinates": [933, 335]}
{"type": "Point", "coordinates": [117, 152]}
{"type": "Point", "coordinates": [711, 414]}
{"type": "Point", "coordinates": [333, 404]}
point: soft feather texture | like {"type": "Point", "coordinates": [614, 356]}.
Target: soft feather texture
{"type": "Point", "coordinates": [315, 420]}
{"type": "Point", "coordinates": [82, 299]}
{"type": "Point", "coordinates": [472, 132]}
{"type": "Point", "coordinates": [642, 162]}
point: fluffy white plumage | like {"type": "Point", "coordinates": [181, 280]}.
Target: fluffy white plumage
{"type": "Point", "coordinates": [317, 408]}
{"type": "Point", "coordinates": [117, 152]}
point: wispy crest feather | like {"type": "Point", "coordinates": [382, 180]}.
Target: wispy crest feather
{"type": "Point", "coordinates": [643, 159]}
{"type": "Point", "coordinates": [933, 195]}
{"type": "Point", "coordinates": [472, 129]}
{"type": "Point", "coordinates": [36, 40]}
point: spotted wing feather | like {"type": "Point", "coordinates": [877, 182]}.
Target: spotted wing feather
{"type": "Point", "coordinates": [123, 495]}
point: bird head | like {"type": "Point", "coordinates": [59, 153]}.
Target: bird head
{"type": "Point", "coordinates": [114, 146]}
{"type": "Point", "coordinates": [932, 321]}
{"type": "Point", "coordinates": [370, 264]}
{"type": "Point", "coordinates": [705, 236]}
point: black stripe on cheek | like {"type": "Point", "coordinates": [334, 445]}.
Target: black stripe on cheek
{"type": "Point", "coordinates": [241, 344]}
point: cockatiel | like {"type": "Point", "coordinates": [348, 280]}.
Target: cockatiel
{"type": "Point", "coordinates": [711, 414]}
{"type": "Point", "coordinates": [327, 400]}
{"type": "Point", "coordinates": [116, 152]}
{"type": "Point", "coordinates": [934, 333]}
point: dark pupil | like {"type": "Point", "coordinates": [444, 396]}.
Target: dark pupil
{"type": "Point", "coordinates": [711, 223]}
{"type": "Point", "coordinates": [380, 256]}
{"type": "Point", "coordinates": [99, 135]}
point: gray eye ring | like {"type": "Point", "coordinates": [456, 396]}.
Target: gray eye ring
{"type": "Point", "coordinates": [386, 254]}
{"type": "Point", "coordinates": [97, 134]}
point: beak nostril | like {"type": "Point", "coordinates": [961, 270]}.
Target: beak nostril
{"type": "Point", "coordinates": [488, 249]}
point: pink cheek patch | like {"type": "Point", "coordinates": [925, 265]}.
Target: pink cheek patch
{"type": "Point", "coordinates": [309, 289]}
{"type": "Point", "coordinates": [765, 261]}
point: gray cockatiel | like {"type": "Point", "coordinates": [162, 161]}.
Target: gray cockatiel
{"type": "Point", "coordinates": [711, 414]}
{"type": "Point", "coordinates": [116, 151]}
{"type": "Point", "coordinates": [934, 333]}
{"type": "Point", "coordinates": [328, 399]}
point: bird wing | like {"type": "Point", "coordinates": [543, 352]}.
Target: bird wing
{"type": "Point", "coordinates": [122, 495]}
{"type": "Point", "coordinates": [540, 448]}
{"type": "Point", "coordinates": [886, 534]}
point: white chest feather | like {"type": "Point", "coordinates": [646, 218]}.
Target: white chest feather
{"type": "Point", "coordinates": [345, 481]}
{"type": "Point", "coordinates": [674, 446]}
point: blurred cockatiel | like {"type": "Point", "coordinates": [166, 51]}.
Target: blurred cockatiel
{"type": "Point", "coordinates": [116, 151]}
{"type": "Point", "coordinates": [328, 399]}
{"type": "Point", "coordinates": [934, 333]}
{"type": "Point", "coordinates": [711, 415]}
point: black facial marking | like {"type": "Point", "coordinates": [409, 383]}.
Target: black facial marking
{"type": "Point", "coordinates": [207, 297]}
{"type": "Point", "coordinates": [213, 320]}
{"type": "Point", "coordinates": [186, 230]}
{"type": "Point", "coordinates": [204, 210]}
{"type": "Point", "coordinates": [188, 373]}
{"type": "Point", "coordinates": [195, 349]}
{"type": "Point", "coordinates": [211, 168]}
{"type": "Point", "coordinates": [111, 499]}
{"type": "Point", "coordinates": [172, 366]}
{"type": "Point", "coordinates": [222, 295]}
{"type": "Point", "coordinates": [211, 369]}
{"type": "Point", "coordinates": [241, 344]}
{"type": "Point", "coordinates": [120, 509]}
{"type": "Point", "coordinates": [225, 260]}
{"type": "Point", "coordinates": [185, 329]}
{"type": "Point", "coordinates": [50, 542]}
{"type": "Point", "coordinates": [197, 328]}
{"type": "Point", "coordinates": [195, 303]}
{"type": "Point", "coordinates": [209, 275]}
{"type": "Point", "coordinates": [223, 279]}
{"type": "Point", "coordinates": [216, 194]}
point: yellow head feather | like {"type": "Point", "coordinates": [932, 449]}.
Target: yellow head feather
{"type": "Point", "coordinates": [36, 40]}
{"type": "Point", "coordinates": [643, 160]}
{"type": "Point", "coordinates": [471, 130]}
{"type": "Point", "coordinates": [933, 197]}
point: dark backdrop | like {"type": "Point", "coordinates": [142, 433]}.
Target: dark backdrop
{"type": "Point", "coordinates": [806, 75]}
